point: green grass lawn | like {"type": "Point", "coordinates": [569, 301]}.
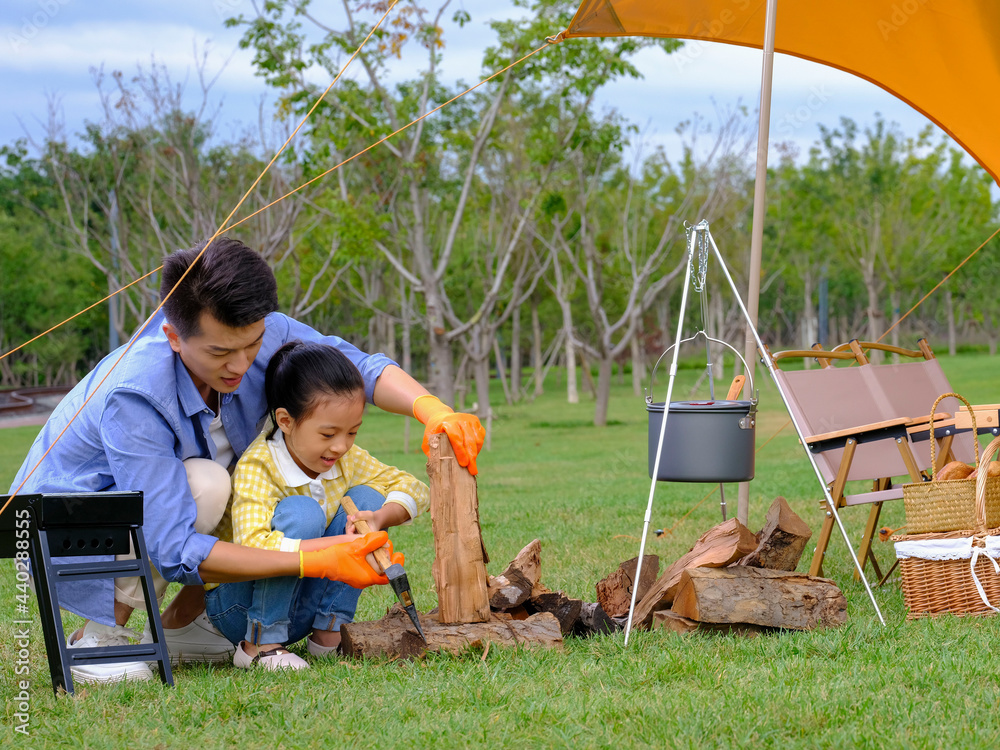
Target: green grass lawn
{"type": "Point", "coordinates": [582, 491]}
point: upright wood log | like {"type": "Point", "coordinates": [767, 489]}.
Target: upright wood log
{"type": "Point", "coordinates": [717, 547]}
{"type": "Point", "coordinates": [771, 598]}
{"type": "Point", "coordinates": [459, 556]}
{"type": "Point", "coordinates": [781, 542]}
{"type": "Point", "coordinates": [614, 593]}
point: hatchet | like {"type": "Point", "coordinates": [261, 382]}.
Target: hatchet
{"type": "Point", "coordinates": [393, 571]}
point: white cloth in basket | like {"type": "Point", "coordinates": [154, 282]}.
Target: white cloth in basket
{"type": "Point", "coordinates": [954, 549]}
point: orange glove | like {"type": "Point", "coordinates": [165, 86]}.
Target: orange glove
{"type": "Point", "coordinates": [346, 562]}
{"type": "Point", "coordinates": [464, 431]}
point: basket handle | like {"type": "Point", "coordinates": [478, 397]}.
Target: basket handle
{"type": "Point", "coordinates": [981, 478]}
{"type": "Point", "coordinates": [975, 432]}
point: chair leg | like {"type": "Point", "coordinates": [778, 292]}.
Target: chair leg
{"type": "Point", "coordinates": [152, 606]}
{"type": "Point", "coordinates": [48, 611]}
{"type": "Point", "coordinates": [816, 567]}
{"type": "Point", "coordinates": [865, 552]}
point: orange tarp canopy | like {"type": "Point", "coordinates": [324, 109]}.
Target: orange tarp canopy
{"type": "Point", "coordinates": [942, 57]}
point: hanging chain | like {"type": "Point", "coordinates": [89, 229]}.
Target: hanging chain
{"type": "Point", "coordinates": [698, 277]}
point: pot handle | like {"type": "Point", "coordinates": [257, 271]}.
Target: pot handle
{"type": "Point", "coordinates": [652, 377]}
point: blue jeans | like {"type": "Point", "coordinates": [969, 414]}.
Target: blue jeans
{"type": "Point", "coordinates": [285, 610]}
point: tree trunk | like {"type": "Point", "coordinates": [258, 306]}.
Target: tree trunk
{"type": "Point", "coordinates": [638, 366]}
{"type": "Point", "coordinates": [895, 297]}
{"type": "Point", "coordinates": [949, 307]}
{"type": "Point", "coordinates": [537, 366]}
{"type": "Point", "coordinates": [807, 324]}
{"type": "Point", "coordinates": [603, 391]}
{"type": "Point", "coordinates": [572, 393]}
{"type": "Point", "coordinates": [441, 373]}
{"type": "Point", "coordinates": [515, 354]}
{"type": "Point", "coordinates": [876, 318]}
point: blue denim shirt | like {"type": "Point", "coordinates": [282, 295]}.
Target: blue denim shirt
{"type": "Point", "coordinates": [134, 434]}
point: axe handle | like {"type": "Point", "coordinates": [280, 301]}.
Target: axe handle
{"type": "Point", "coordinates": [380, 555]}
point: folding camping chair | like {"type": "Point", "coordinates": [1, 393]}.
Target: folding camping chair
{"type": "Point", "coordinates": [867, 422]}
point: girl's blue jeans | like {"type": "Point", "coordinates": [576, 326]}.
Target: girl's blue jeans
{"type": "Point", "coordinates": [285, 610]}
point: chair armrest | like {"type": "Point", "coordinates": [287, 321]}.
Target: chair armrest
{"type": "Point", "coordinates": [858, 431]}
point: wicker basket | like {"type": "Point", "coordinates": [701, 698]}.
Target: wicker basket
{"type": "Point", "coordinates": [939, 506]}
{"type": "Point", "coordinates": [936, 586]}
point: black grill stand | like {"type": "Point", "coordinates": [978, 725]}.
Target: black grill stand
{"type": "Point", "coordinates": [85, 524]}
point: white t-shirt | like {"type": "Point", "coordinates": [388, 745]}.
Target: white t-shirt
{"type": "Point", "coordinates": [224, 453]}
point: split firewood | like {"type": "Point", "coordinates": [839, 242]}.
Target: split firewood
{"type": "Point", "coordinates": [782, 540]}
{"type": "Point", "coordinates": [459, 566]}
{"type": "Point", "coordinates": [614, 593]}
{"type": "Point", "coordinates": [395, 636]}
{"type": "Point", "coordinates": [756, 596]}
{"type": "Point", "coordinates": [593, 620]}
{"type": "Point", "coordinates": [512, 588]}
{"type": "Point", "coordinates": [717, 547]}
{"type": "Point", "coordinates": [669, 620]}
{"type": "Point", "coordinates": [564, 609]}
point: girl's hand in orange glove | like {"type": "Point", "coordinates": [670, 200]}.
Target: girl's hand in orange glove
{"type": "Point", "coordinates": [346, 562]}
{"type": "Point", "coordinates": [464, 431]}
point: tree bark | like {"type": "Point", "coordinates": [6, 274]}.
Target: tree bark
{"type": "Point", "coordinates": [669, 620]}
{"type": "Point", "coordinates": [754, 596]}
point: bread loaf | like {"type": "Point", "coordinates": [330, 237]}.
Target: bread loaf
{"type": "Point", "coordinates": [954, 470]}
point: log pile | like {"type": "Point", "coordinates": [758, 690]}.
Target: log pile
{"type": "Point", "coordinates": [730, 581]}
{"type": "Point", "coordinates": [734, 583]}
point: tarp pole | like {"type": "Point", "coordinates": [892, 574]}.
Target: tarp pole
{"type": "Point", "coordinates": [757, 230]}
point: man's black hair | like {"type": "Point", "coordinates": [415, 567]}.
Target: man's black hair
{"type": "Point", "coordinates": [230, 281]}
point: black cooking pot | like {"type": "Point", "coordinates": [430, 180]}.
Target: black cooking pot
{"type": "Point", "coordinates": [705, 441]}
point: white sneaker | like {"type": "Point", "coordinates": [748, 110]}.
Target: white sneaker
{"type": "Point", "coordinates": [200, 641]}
{"type": "Point", "coordinates": [272, 661]}
{"type": "Point", "coordinates": [97, 635]}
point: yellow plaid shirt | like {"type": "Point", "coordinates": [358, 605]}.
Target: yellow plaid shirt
{"type": "Point", "coordinates": [266, 474]}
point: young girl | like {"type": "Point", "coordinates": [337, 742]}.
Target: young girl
{"type": "Point", "coordinates": [287, 489]}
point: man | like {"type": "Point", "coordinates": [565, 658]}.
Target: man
{"type": "Point", "coordinates": [170, 419]}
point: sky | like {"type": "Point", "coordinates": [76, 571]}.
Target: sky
{"type": "Point", "coordinates": [48, 49]}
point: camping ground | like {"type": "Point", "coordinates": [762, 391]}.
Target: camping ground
{"type": "Point", "coordinates": [582, 491]}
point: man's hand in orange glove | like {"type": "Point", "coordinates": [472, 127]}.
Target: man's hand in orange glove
{"type": "Point", "coordinates": [464, 431]}
{"type": "Point", "coordinates": [346, 562]}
